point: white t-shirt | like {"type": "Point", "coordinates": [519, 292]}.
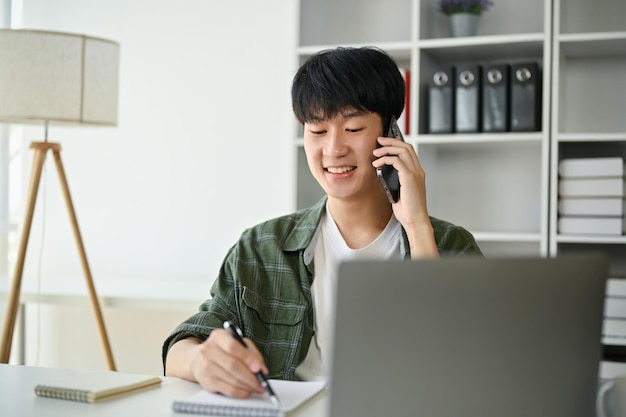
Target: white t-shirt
{"type": "Point", "coordinates": [330, 250]}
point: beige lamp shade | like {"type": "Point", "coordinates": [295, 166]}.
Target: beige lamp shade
{"type": "Point", "coordinates": [57, 77]}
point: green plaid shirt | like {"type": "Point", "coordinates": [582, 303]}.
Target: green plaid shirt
{"type": "Point", "coordinates": [264, 285]}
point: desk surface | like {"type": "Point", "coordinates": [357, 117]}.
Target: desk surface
{"type": "Point", "coordinates": [17, 397]}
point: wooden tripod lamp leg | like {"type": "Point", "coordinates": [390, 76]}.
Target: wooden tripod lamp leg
{"type": "Point", "coordinates": [40, 150]}
{"type": "Point", "coordinates": [83, 259]}
{"type": "Point", "coordinates": [39, 158]}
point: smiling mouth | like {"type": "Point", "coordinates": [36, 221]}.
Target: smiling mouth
{"type": "Point", "coordinates": [340, 170]}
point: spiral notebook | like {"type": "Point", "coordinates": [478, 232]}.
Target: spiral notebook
{"type": "Point", "coordinates": [292, 394]}
{"type": "Point", "coordinates": [92, 386]}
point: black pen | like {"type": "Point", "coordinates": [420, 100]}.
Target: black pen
{"type": "Point", "coordinates": [237, 334]}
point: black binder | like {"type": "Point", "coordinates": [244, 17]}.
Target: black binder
{"type": "Point", "coordinates": [525, 97]}
{"type": "Point", "coordinates": [495, 98]}
{"type": "Point", "coordinates": [467, 98]}
{"type": "Point", "coordinates": [441, 100]}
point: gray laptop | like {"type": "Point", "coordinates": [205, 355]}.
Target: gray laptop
{"type": "Point", "coordinates": [468, 337]}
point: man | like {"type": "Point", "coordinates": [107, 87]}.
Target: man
{"type": "Point", "coordinates": [277, 281]}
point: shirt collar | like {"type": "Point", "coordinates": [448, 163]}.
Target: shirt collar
{"type": "Point", "coordinates": [301, 236]}
{"type": "Point", "coordinates": [304, 235]}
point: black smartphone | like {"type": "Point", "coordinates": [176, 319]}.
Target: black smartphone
{"type": "Point", "coordinates": [387, 174]}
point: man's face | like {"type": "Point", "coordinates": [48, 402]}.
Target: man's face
{"type": "Point", "coordinates": [339, 153]}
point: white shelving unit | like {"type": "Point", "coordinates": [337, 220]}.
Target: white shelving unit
{"type": "Point", "coordinates": [501, 186]}
{"type": "Point", "coordinates": [494, 184]}
{"type": "Point", "coordinates": [588, 117]}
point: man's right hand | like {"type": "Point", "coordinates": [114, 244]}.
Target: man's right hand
{"type": "Point", "coordinates": [219, 364]}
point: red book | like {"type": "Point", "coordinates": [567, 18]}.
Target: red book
{"type": "Point", "coordinates": [404, 119]}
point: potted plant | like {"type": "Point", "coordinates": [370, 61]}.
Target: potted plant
{"type": "Point", "coordinates": [463, 15]}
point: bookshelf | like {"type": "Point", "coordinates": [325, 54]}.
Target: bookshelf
{"type": "Point", "coordinates": [503, 187]}
{"type": "Point", "coordinates": [494, 184]}
{"type": "Point", "coordinates": [589, 91]}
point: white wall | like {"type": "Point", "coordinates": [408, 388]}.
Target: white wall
{"type": "Point", "coordinates": [202, 150]}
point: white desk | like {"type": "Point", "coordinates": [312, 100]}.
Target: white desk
{"type": "Point", "coordinates": [17, 397]}
{"type": "Point", "coordinates": [144, 294]}
{"type": "Point", "coordinates": [168, 301]}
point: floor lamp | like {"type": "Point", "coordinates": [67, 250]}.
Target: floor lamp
{"type": "Point", "coordinates": [53, 77]}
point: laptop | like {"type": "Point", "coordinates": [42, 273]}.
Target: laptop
{"type": "Point", "coordinates": [468, 337]}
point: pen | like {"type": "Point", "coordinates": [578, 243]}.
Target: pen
{"type": "Point", "coordinates": [235, 331]}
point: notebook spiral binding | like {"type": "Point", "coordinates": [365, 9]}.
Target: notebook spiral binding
{"type": "Point", "coordinates": [225, 410]}
{"type": "Point", "coordinates": [62, 393]}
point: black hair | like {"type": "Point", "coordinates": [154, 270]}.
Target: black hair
{"type": "Point", "coordinates": [336, 80]}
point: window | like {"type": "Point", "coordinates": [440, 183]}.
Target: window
{"type": "Point", "coordinates": [12, 152]}
{"type": "Point", "coordinates": [11, 165]}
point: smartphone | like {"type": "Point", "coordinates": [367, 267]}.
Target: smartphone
{"type": "Point", "coordinates": [387, 174]}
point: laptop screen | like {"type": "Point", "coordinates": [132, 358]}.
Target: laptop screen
{"type": "Point", "coordinates": [468, 337]}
